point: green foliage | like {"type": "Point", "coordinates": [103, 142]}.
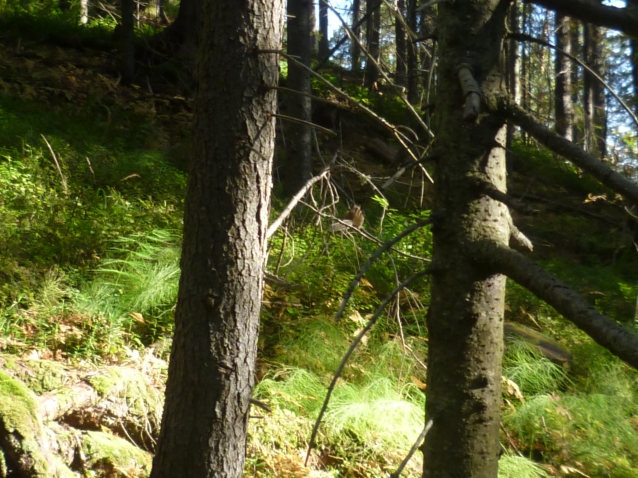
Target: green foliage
{"type": "Point", "coordinates": [140, 284]}
{"type": "Point", "coordinates": [556, 172]}
{"type": "Point", "coordinates": [515, 466]}
{"type": "Point", "coordinates": [593, 426]}
{"type": "Point", "coordinates": [532, 372]}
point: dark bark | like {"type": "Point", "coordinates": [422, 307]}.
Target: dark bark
{"type": "Point", "coordinates": [324, 41]}
{"type": "Point", "coordinates": [610, 17]}
{"type": "Point", "coordinates": [465, 320]}
{"type": "Point", "coordinates": [211, 370]}
{"type": "Point", "coordinates": [577, 52]}
{"type": "Point", "coordinates": [594, 93]}
{"type": "Point", "coordinates": [355, 51]}
{"type": "Point", "coordinates": [413, 56]}
{"type": "Point", "coordinates": [562, 69]}
{"type": "Point", "coordinates": [373, 37]}
{"type": "Point", "coordinates": [183, 32]}
{"type": "Point", "coordinates": [611, 335]}
{"type": "Point", "coordinates": [127, 41]}
{"type": "Point", "coordinates": [400, 47]}
{"type": "Point", "coordinates": [299, 135]}
{"type": "Point", "coordinates": [571, 152]}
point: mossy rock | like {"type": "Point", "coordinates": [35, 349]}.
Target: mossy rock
{"type": "Point", "coordinates": [109, 455]}
{"type": "Point", "coordinates": [21, 433]}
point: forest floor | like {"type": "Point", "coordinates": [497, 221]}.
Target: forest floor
{"type": "Point", "coordinates": [92, 181]}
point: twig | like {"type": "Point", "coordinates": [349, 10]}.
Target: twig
{"type": "Point", "coordinates": [361, 232]}
{"type": "Point", "coordinates": [301, 93]}
{"type": "Point", "coordinates": [373, 60]}
{"type": "Point", "coordinates": [414, 448]}
{"type": "Point", "coordinates": [260, 404]}
{"type": "Point", "coordinates": [293, 202]}
{"type": "Point", "coordinates": [529, 38]}
{"type": "Point", "coordinates": [398, 135]}
{"type": "Point", "coordinates": [384, 247]}
{"type": "Point", "coordinates": [300, 121]}
{"type": "Point", "coordinates": [57, 165]}
{"type": "Point", "coordinates": [432, 3]}
{"type": "Point", "coordinates": [350, 351]}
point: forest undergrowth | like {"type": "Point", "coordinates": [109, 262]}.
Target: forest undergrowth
{"type": "Point", "coordinates": [92, 181]}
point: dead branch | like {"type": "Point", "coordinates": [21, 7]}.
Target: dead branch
{"type": "Point", "coordinates": [384, 247]}
{"type": "Point", "coordinates": [293, 202]}
{"type": "Point", "coordinates": [352, 348]}
{"type": "Point", "coordinates": [604, 331]}
{"type": "Point", "coordinates": [570, 151]}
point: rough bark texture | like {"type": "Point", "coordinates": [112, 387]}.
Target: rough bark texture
{"type": "Point", "coordinates": [355, 52]}
{"type": "Point", "coordinates": [373, 38]}
{"type": "Point", "coordinates": [563, 90]}
{"type": "Point", "coordinates": [324, 41]}
{"type": "Point", "coordinates": [465, 321]}
{"type": "Point", "coordinates": [595, 110]}
{"type": "Point", "coordinates": [299, 135]}
{"type": "Point", "coordinates": [211, 372]}
{"type": "Point", "coordinates": [618, 340]}
{"type": "Point", "coordinates": [127, 42]}
{"type": "Point", "coordinates": [413, 56]}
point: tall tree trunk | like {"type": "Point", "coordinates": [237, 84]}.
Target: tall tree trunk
{"type": "Point", "coordinates": [355, 51]}
{"type": "Point", "coordinates": [299, 137]}
{"type": "Point", "coordinates": [373, 37]}
{"type": "Point", "coordinates": [595, 105]}
{"type": "Point", "coordinates": [211, 370]}
{"type": "Point", "coordinates": [427, 24]}
{"type": "Point", "coordinates": [413, 56]}
{"type": "Point", "coordinates": [562, 91]}
{"type": "Point", "coordinates": [513, 66]}
{"type": "Point", "coordinates": [127, 41]}
{"type": "Point", "coordinates": [577, 51]}
{"type": "Point", "coordinates": [465, 320]}
{"type": "Point", "coordinates": [400, 47]}
{"type": "Point", "coordinates": [324, 41]}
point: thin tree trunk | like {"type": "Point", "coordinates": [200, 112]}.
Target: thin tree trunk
{"type": "Point", "coordinates": [400, 47]}
{"type": "Point", "coordinates": [127, 44]}
{"type": "Point", "coordinates": [413, 56]}
{"type": "Point", "coordinates": [513, 65]}
{"type": "Point", "coordinates": [465, 320]}
{"type": "Point", "coordinates": [594, 93]}
{"type": "Point", "coordinates": [212, 364]}
{"type": "Point", "coordinates": [299, 137]}
{"type": "Point", "coordinates": [576, 50]}
{"type": "Point", "coordinates": [373, 36]}
{"type": "Point", "coordinates": [324, 41]}
{"type": "Point", "coordinates": [562, 91]}
{"type": "Point", "coordinates": [355, 52]}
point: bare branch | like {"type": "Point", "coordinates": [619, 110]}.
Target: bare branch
{"type": "Point", "coordinates": [293, 202]}
{"type": "Point", "coordinates": [596, 13]}
{"type": "Point", "coordinates": [384, 247]}
{"type": "Point", "coordinates": [570, 151]}
{"type": "Point", "coordinates": [300, 121]}
{"type": "Point", "coordinates": [618, 340]}
{"type": "Point", "coordinates": [529, 38]}
{"type": "Point", "coordinates": [361, 232]}
{"type": "Point", "coordinates": [414, 448]}
{"type": "Point", "coordinates": [352, 348]}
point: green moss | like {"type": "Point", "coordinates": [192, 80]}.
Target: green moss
{"type": "Point", "coordinates": [115, 457]}
{"type": "Point", "coordinates": [18, 417]}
